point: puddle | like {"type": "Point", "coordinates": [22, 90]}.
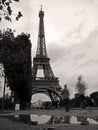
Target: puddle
{"type": "Point", "coordinates": [40, 119]}
{"type": "Point", "coordinates": [48, 119]}
{"type": "Point", "coordinates": [72, 120]}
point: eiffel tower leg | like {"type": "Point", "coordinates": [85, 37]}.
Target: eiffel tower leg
{"type": "Point", "coordinates": [48, 72]}
{"type": "Point", "coordinates": [34, 71]}
{"type": "Point", "coordinates": [50, 95]}
{"type": "Point", "coordinates": [54, 99]}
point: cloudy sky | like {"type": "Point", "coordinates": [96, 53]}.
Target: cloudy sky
{"type": "Point", "coordinates": [71, 31]}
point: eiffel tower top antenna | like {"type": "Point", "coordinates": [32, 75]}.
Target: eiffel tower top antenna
{"type": "Point", "coordinates": [41, 46]}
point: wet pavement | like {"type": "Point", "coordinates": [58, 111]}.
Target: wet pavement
{"type": "Point", "coordinates": [34, 119]}
{"type": "Point", "coordinates": [54, 119]}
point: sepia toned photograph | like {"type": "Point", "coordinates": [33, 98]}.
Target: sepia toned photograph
{"type": "Point", "coordinates": [48, 64]}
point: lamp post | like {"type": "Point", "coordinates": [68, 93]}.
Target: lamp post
{"type": "Point", "coordinates": [3, 99]}
{"type": "Point", "coordinates": [3, 75]}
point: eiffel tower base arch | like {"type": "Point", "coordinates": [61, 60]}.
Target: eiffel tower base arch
{"type": "Point", "coordinates": [50, 88]}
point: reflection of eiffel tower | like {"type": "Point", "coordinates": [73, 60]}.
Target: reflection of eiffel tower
{"type": "Point", "coordinates": [47, 83]}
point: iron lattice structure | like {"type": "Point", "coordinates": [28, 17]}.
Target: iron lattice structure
{"type": "Point", "coordinates": [48, 84]}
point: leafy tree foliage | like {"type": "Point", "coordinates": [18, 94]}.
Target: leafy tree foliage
{"type": "Point", "coordinates": [94, 96]}
{"type": "Point", "coordinates": [15, 54]}
{"type": "Point", "coordinates": [6, 10]}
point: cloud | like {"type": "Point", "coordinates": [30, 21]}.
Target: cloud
{"type": "Point", "coordinates": [71, 61]}
{"type": "Point", "coordinates": [79, 57]}
{"type": "Point", "coordinates": [56, 52]}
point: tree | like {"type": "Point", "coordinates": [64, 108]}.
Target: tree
{"type": "Point", "coordinates": [15, 54]}
{"type": "Point", "coordinates": [6, 10]}
{"type": "Point", "coordinates": [94, 96]}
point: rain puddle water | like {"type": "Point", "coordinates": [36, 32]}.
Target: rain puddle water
{"type": "Point", "coordinates": [48, 119]}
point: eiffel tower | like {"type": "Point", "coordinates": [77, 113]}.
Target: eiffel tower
{"type": "Point", "coordinates": [48, 83]}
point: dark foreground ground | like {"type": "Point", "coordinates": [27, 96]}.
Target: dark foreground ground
{"type": "Point", "coordinates": [9, 124]}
